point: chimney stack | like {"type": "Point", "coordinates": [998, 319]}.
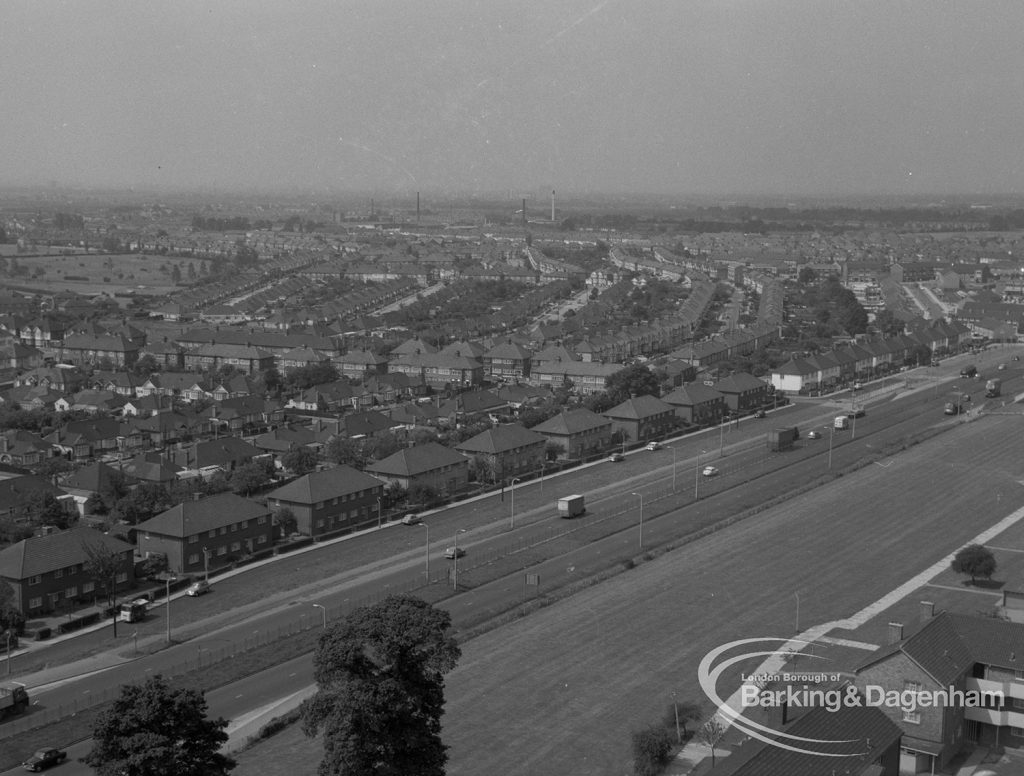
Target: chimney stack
{"type": "Point", "coordinates": [927, 610]}
{"type": "Point", "coordinates": [895, 632]}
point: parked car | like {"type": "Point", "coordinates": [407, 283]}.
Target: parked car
{"type": "Point", "coordinates": [1016, 358]}
{"type": "Point", "coordinates": [813, 435]}
{"type": "Point", "coordinates": [1002, 367]}
{"type": "Point", "coordinates": [411, 519]}
{"type": "Point", "coordinates": [198, 588]}
{"type": "Point", "coordinates": [653, 446]}
{"type": "Point", "coordinates": [44, 758]}
{"type": "Point", "coordinates": [760, 414]}
{"type": "Point", "coordinates": [616, 457]}
{"type": "Point", "coordinates": [454, 552]}
{"type": "Point", "coordinates": [710, 471]}
{"type": "Point", "coordinates": [858, 385]}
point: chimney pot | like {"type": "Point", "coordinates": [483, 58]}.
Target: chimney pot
{"type": "Point", "coordinates": [927, 610]}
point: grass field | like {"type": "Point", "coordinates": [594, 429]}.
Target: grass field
{"type": "Point", "coordinates": [104, 273]}
{"type": "Point", "coordinates": [560, 691]}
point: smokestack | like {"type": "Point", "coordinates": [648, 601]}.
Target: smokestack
{"type": "Point", "coordinates": [552, 204]}
{"type": "Point", "coordinates": [895, 632]}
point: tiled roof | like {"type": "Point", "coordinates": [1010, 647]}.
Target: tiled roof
{"type": "Point", "coordinates": [501, 439]}
{"type": "Point", "coordinates": [692, 394]}
{"type": "Point", "coordinates": [328, 484]}
{"type": "Point", "coordinates": [741, 381]}
{"type": "Point", "coordinates": [94, 478]}
{"type": "Point", "coordinates": [192, 517]}
{"type": "Point", "coordinates": [417, 460]}
{"type": "Point", "coordinates": [42, 554]}
{"type": "Point", "coordinates": [572, 422]}
{"type": "Point", "coordinates": [639, 407]}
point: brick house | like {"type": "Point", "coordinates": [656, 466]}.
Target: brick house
{"type": "Point", "coordinates": [506, 451]}
{"type": "Point", "coordinates": [224, 526]}
{"type": "Point", "coordinates": [959, 651]}
{"type": "Point", "coordinates": [743, 392]}
{"type": "Point", "coordinates": [507, 361]}
{"type": "Point", "coordinates": [331, 500]}
{"type": "Point", "coordinates": [431, 465]}
{"type": "Point", "coordinates": [578, 433]}
{"type": "Point", "coordinates": [697, 404]}
{"type": "Point", "coordinates": [48, 573]}
{"type": "Point", "coordinates": [642, 418]}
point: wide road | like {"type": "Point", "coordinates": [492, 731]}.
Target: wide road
{"type": "Point", "coordinates": [614, 508]}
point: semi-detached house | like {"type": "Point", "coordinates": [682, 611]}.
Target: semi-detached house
{"type": "Point", "coordinates": [329, 501]}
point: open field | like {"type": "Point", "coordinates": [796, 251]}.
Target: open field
{"type": "Point", "coordinates": [103, 274]}
{"type": "Point", "coordinates": [560, 691]}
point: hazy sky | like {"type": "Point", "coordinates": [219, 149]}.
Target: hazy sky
{"type": "Point", "coordinates": [660, 96]}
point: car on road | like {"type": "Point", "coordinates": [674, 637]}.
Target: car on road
{"type": "Point", "coordinates": [859, 412]}
{"type": "Point", "coordinates": [760, 414]}
{"type": "Point", "coordinates": [858, 385]}
{"type": "Point", "coordinates": [813, 435]}
{"type": "Point", "coordinates": [454, 552]}
{"type": "Point", "coordinates": [653, 446]}
{"type": "Point", "coordinates": [198, 588]}
{"type": "Point", "coordinates": [412, 519]}
{"type": "Point", "coordinates": [1002, 367]}
{"type": "Point", "coordinates": [710, 471]}
{"type": "Point", "coordinates": [616, 457]}
{"type": "Point", "coordinates": [1016, 358]}
{"type": "Point", "coordinates": [44, 758]}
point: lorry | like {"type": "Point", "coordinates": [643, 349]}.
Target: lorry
{"type": "Point", "coordinates": [571, 506]}
{"type": "Point", "coordinates": [993, 387]}
{"type": "Point", "coordinates": [13, 699]}
{"type": "Point", "coordinates": [969, 371]}
{"type": "Point", "coordinates": [841, 422]}
{"type": "Point", "coordinates": [780, 439]}
{"type": "Point", "coordinates": [133, 611]}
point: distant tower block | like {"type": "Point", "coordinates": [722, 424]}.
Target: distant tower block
{"type": "Point", "coordinates": [552, 204]}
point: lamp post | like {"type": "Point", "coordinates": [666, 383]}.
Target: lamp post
{"type": "Point", "coordinates": [323, 612]}
{"type": "Point", "coordinates": [379, 511]}
{"type": "Point", "coordinates": [696, 477]}
{"type": "Point", "coordinates": [797, 595]}
{"type": "Point", "coordinates": [831, 436]}
{"type": "Point", "coordinates": [721, 437]}
{"type": "Point", "coordinates": [513, 489]}
{"type": "Point", "coordinates": [641, 497]}
{"type": "Point", "coordinates": [427, 552]}
{"type": "Point", "coordinates": [455, 559]}
{"type": "Point", "coordinates": [206, 565]}
{"type": "Point", "coordinates": [167, 603]}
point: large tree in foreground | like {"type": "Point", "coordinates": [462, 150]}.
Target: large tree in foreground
{"type": "Point", "coordinates": [975, 560]}
{"type": "Point", "coordinates": [380, 677]}
{"type": "Point", "coordinates": [154, 729]}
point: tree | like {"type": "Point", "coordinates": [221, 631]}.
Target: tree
{"type": "Point", "coordinates": [11, 619]}
{"type": "Point", "coordinates": [711, 733]}
{"type": "Point", "coordinates": [102, 567]}
{"type": "Point", "coordinates": [888, 324]}
{"type": "Point", "coordinates": [636, 379]}
{"type": "Point", "coordinates": [301, 460]}
{"type": "Point", "coordinates": [285, 518]}
{"type": "Point", "coordinates": [806, 276]}
{"type": "Point", "coordinates": [249, 477]}
{"type": "Point", "coordinates": [43, 508]}
{"type": "Point", "coordinates": [155, 729]}
{"type": "Point", "coordinates": [679, 714]}
{"type": "Point", "coordinates": [145, 366]}
{"type": "Point", "coordinates": [380, 690]}
{"type": "Point", "coordinates": [975, 560]}
{"type": "Point", "coordinates": [651, 749]}
{"type": "Point", "coordinates": [175, 274]}
{"type": "Point", "coordinates": [343, 450]}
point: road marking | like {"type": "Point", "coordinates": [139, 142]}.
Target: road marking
{"type": "Point", "coordinates": [238, 696]}
{"type": "Point", "coordinates": [848, 643]}
{"type": "Point", "coordinates": [963, 589]}
{"type": "Point", "coordinates": [1006, 549]}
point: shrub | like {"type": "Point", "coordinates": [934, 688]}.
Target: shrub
{"type": "Point", "coordinates": [42, 634]}
{"type": "Point", "coordinates": [651, 749]}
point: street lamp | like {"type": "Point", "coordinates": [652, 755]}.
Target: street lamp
{"type": "Point", "coordinates": [427, 553]}
{"type": "Point", "coordinates": [512, 487]}
{"type": "Point", "coordinates": [641, 497]}
{"type": "Point", "coordinates": [696, 477]}
{"type": "Point", "coordinates": [673, 469]}
{"type": "Point", "coordinates": [379, 510]}
{"type": "Point", "coordinates": [206, 565]}
{"type": "Point", "coordinates": [323, 612]}
{"type": "Point", "coordinates": [831, 436]}
{"type": "Point", "coordinates": [455, 558]}
{"type": "Point", "coordinates": [168, 581]}
{"type": "Point", "coordinates": [797, 612]}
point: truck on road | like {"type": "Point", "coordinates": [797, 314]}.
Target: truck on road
{"type": "Point", "coordinates": [13, 699]}
{"type": "Point", "coordinates": [571, 506]}
{"type": "Point", "coordinates": [993, 387]}
{"type": "Point", "coordinates": [969, 371]}
{"type": "Point", "coordinates": [841, 422]}
{"type": "Point", "coordinates": [780, 439]}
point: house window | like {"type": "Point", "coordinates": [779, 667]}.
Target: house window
{"type": "Point", "coordinates": [35, 603]}
{"type": "Point", "coordinates": [222, 550]}
{"type": "Point", "coordinates": [261, 539]}
{"type": "Point", "coordinates": [1017, 732]}
{"type": "Point", "coordinates": [88, 587]}
{"type": "Point", "coordinates": [235, 546]}
{"type": "Point", "coordinates": [234, 527]}
{"type": "Point", "coordinates": [914, 717]}
{"type": "Point", "coordinates": [335, 502]}
{"type": "Point", "coordinates": [213, 533]}
{"type": "Point", "coordinates": [58, 573]}
{"type": "Point", "coordinates": [245, 523]}
{"type": "Point", "coordinates": [193, 538]}
{"type": "Point", "coordinates": [320, 523]}
{"type": "Point", "coordinates": [261, 520]}
{"type": "Point", "coordinates": [193, 559]}
{"type": "Point", "coordinates": [122, 576]}
{"type": "Point", "coordinates": [1018, 675]}
{"type": "Point", "coordinates": [71, 592]}
{"type": "Point", "coordinates": [223, 530]}
{"type": "Point", "coordinates": [35, 580]}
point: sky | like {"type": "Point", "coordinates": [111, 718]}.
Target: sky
{"type": "Point", "coordinates": [678, 97]}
